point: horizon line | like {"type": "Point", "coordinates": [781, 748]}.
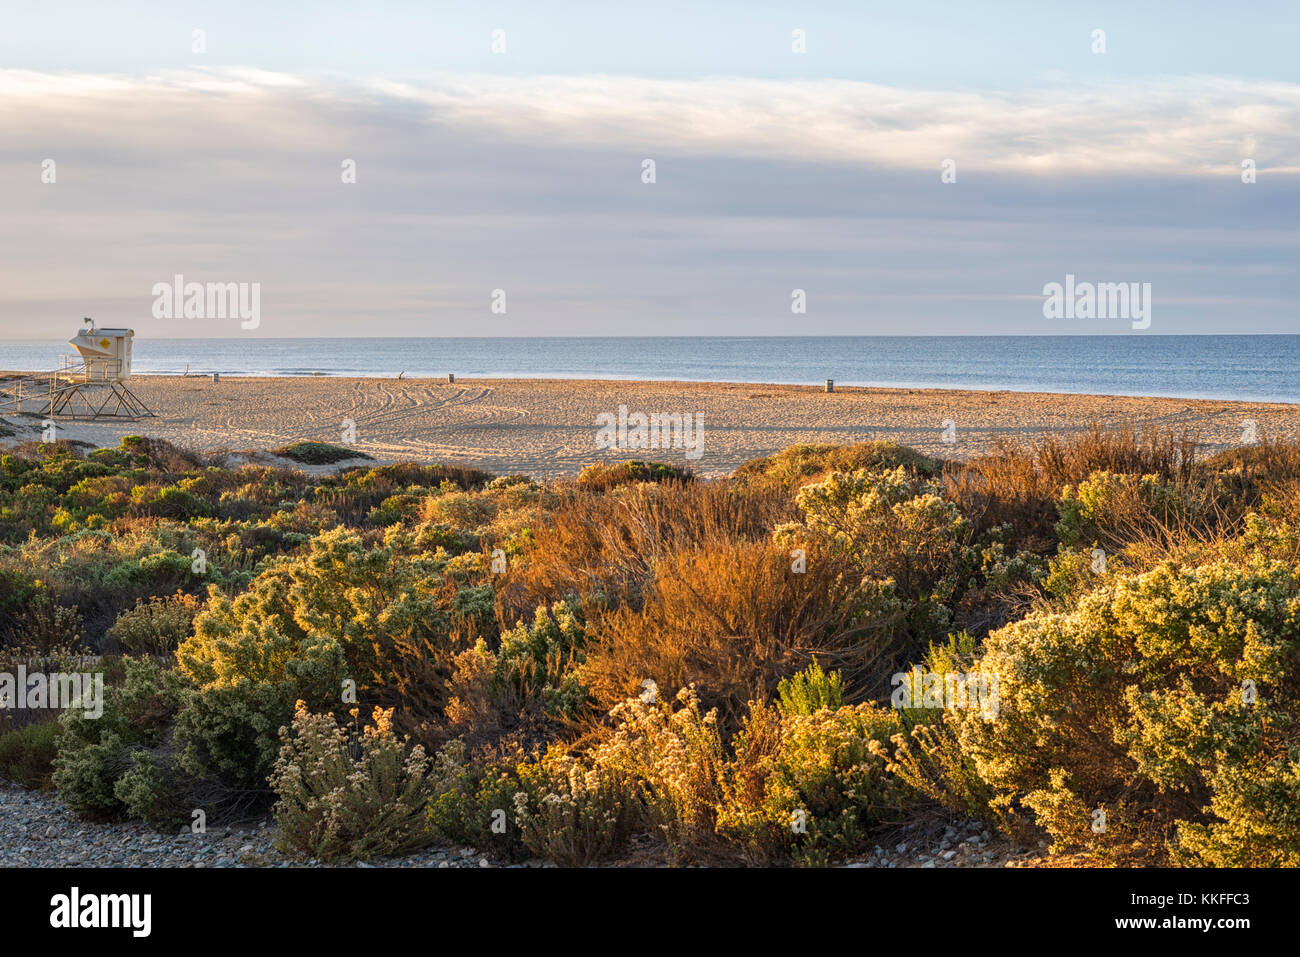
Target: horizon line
{"type": "Point", "coordinates": [865, 335]}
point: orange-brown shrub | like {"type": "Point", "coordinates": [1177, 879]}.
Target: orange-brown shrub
{"type": "Point", "coordinates": [1018, 483]}
{"type": "Point", "coordinates": [734, 620]}
{"type": "Point", "coordinates": [611, 544]}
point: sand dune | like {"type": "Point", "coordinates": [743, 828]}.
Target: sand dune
{"type": "Point", "coordinates": [547, 428]}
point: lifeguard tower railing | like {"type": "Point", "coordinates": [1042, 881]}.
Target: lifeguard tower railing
{"type": "Point", "coordinates": [78, 389]}
{"type": "Point", "coordinates": [93, 371]}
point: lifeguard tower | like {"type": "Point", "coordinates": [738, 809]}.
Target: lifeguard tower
{"type": "Point", "coordinates": [89, 385]}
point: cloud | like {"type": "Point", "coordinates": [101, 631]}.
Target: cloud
{"type": "Point", "coordinates": [1183, 125]}
{"type": "Point", "coordinates": [469, 183]}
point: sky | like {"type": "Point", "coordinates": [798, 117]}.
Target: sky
{"type": "Point", "coordinates": [129, 154]}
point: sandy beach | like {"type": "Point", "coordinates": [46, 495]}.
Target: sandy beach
{"type": "Point", "coordinates": [548, 428]}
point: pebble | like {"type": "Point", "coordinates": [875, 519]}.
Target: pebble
{"type": "Point", "coordinates": [71, 842]}
{"type": "Point", "coordinates": [68, 841]}
{"type": "Point", "coordinates": [931, 845]}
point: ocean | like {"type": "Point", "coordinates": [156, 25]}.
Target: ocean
{"type": "Point", "coordinates": [1249, 368]}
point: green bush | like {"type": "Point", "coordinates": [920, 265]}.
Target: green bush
{"type": "Point", "coordinates": [350, 796]}
{"type": "Point", "coordinates": [156, 626]}
{"type": "Point", "coordinates": [95, 752]}
{"type": "Point", "coordinates": [795, 466]}
{"type": "Point", "coordinates": [601, 477]}
{"type": "Point", "coordinates": [1110, 508]}
{"type": "Point", "coordinates": [318, 453]}
{"type": "Point", "coordinates": [1164, 700]}
{"type": "Point", "coordinates": [810, 691]}
{"type": "Point", "coordinates": [18, 590]}
{"type": "Point", "coordinates": [537, 661]}
{"type": "Point", "coordinates": [811, 784]}
{"type": "Point", "coordinates": [27, 754]}
{"type": "Point", "coordinates": [148, 790]}
{"type": "Point", "coordinates": [230, 733]}
{"type": "Point", "coordinates": [161, 741]}
{"type": "Point", "coordinates": [898, 530]}
{"type": "Point", "coordinates": [570, 813]}
{"type": "Point", "coordinates": [341, 611]}
{"type": "Point", "coordinates": [473, 802]}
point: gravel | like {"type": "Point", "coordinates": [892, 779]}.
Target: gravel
{"type": "Point", "coordinates": [38, 830]}
{"type": "Point", "coordinates": [931, 845]}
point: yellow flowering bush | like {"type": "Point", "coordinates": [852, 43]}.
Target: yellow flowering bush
{"type": "Point", "coordinates": [473, 800]}
{"type": "Point", "coordinates": [1165, 700]}
{"type": "Point", "coordinates": [894, 524]}
{"type": "Point", "coordinates": [675, 756]}
{"type": "Point", "coordinates": [820, 782]}
{"type": "Point", "coordinates": [349, 795]}
{"type": "Point", "coordinates": [569, 812]}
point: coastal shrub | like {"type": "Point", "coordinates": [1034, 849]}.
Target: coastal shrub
{"type": "Point", "coordinates": [27, 754]}
{"type": "Point", "coordinates": [230, 732]}
{"type": "Point", "coordinates": [1112, 509]}
{"type": "Point", "coordinates": [810, 691]}
{"type": "Point", "coordinates": [163, 747]}
{"type": "Point", "coordinates": [807, 783]}
{"type": "Point", "coordinates": [156, 626]}
{"type": "Point", "coordinates": [318, 453]}
{"type": "Point", "coordinates": [1165, 700]}
{"type": "Point", "coordinates": [1017, 482]}
{"type": "Point", "coordinates": [348, 794]}
{"type": "Point", "coordinates": [925, 753]}
{"type": "Point", "coordinates": [256, 639]}
{"type": "Point", "coordinates": [798, 465]}
{"type": "Point", "coordinates": [600, 476]}
{"type": "Point", "coordinates": [610, 545]}
{"type": "Point", "coordinates": [527, 685]}
{"type": "Point", "coordinates": [890, 523]}
{"type": "Point", "coordinates": [396, 509]}
{"type": "Point", "coordinates": [734, 620]}
{"type": "Point", "coordinates": [571, 813]}
{"type": "Point", "coordinates": [167, 501]}
{"type": "Point", "coordinates": [432, 536]}
{"type": "Point", "coordinates": [95, 752]}
{"type": "Point", "coordinates": [18, 591]}
{"type": "Point", "coordinates": [44, 625]}
{"type": "Point", "coordinates": [537, 660]}
{"type": "Point", "coordinates": [811, 784]}
{"type": "Point", "coordinates": [897, 529]}
{"type": "Point", "coordinates": [150, 789]}
{"type": "Point", "coordinates": [153, 454]}
{"type": "Point", "coordinates": [342, 611]}
{"type": "Point", "coordinates": [473, 800]}
{"type": "Point", "coordinates": [673, 754]}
